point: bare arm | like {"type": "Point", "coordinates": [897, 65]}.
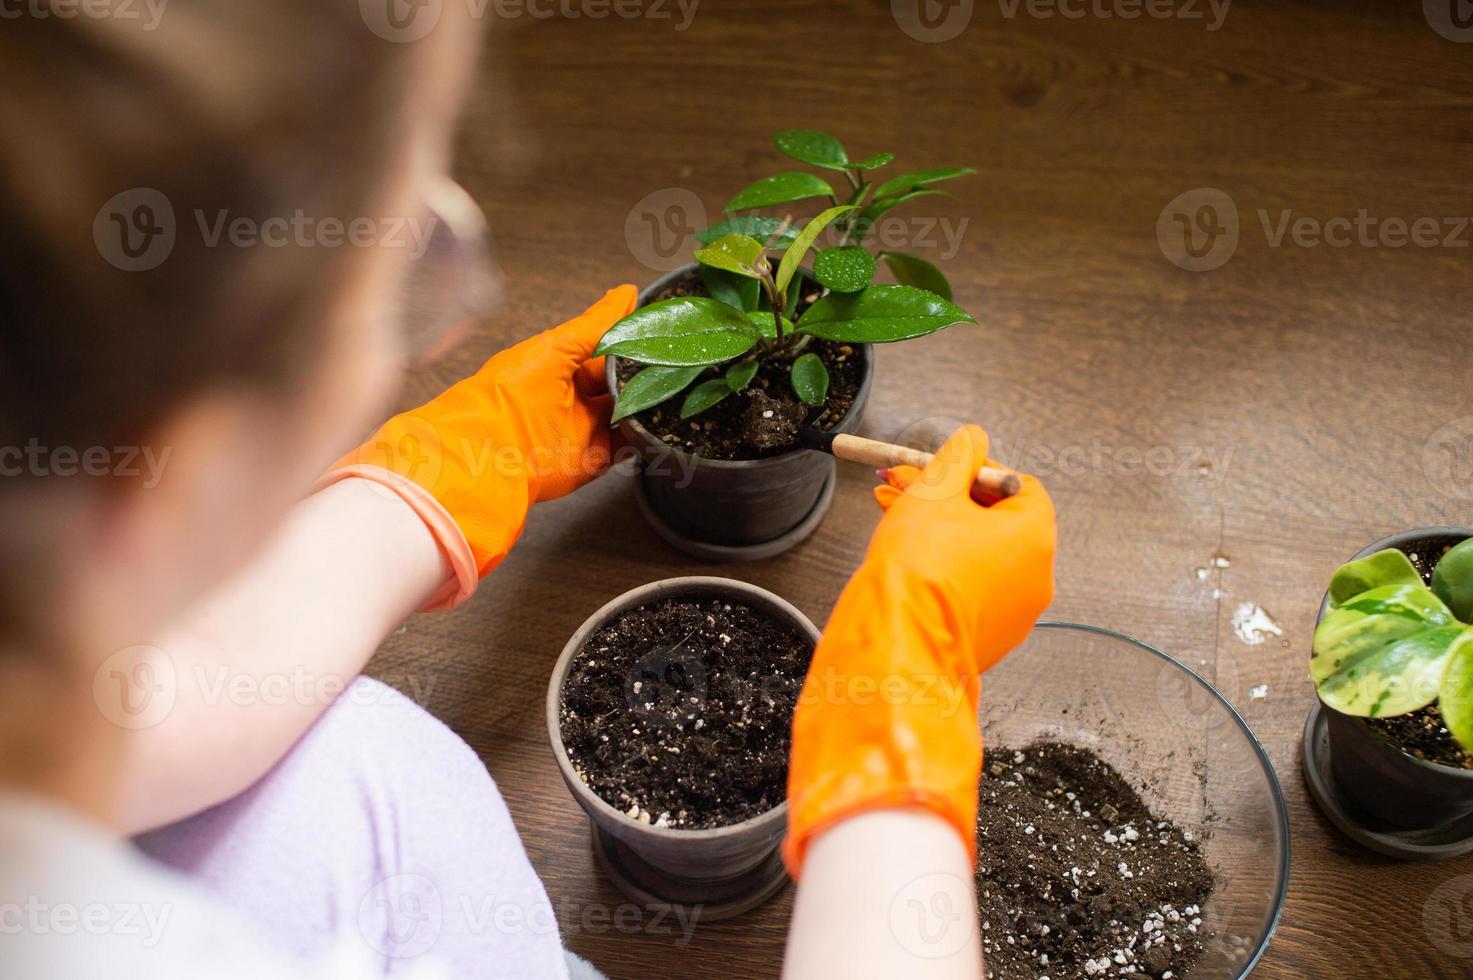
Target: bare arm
{"type": "Point", "coordinates": [884, 894]}
{"type": "Point", "coordinates": [257, 663]}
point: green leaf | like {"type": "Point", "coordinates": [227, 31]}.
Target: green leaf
{"type": "Point", "coordinates": [912, 270]}
{"type": "Point", "coordinates": [1452, 580]}
{"type": "Point", "coordinates": [1388, 567]}
{"type": "Point", "coordinates": [844, 270]}
{"type": "Point", "coordinates": [1383, 652]}
{"type": "Point", "coordinates": [812, 147]}
{"type": "Point", "coordinates": [921, 178]}
{"type": "Point", "coordinates": [780, 189]}
{"type": "Point", "coordinates": [1455, 697]}
{"type": "Point", "coordinates": [734, 253]}
{"type": "Point", "coordinates": [650, 387]}
{"type": "Point", "coordinates": [684, 331]}
{"type": "Point", "coordinates": [875, 162]}
{"type": "Point", "coordinates": [736, 291]}
{"type": "Point", "coordinates": [811, 379]}
{"type": "Point", "coordinates": [795, 293]}
{"type": "Point", "coordinates": [759, 226]}
{"type": "Point", "coordinates": [703, 396]}
{"type": "Point", "coordinates": [762, 320]}
{"type": "Point", "coordinates": [879, 315]}
{"type": "Point", "coordinates": [794, 255]}
{"type": "Point", "coordinates": [875, 211]}
{"type": "Point", "coordinates": [740, 374]}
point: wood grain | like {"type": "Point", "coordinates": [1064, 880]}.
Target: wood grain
{"type": "Point", "coordinates": [1254, 411]}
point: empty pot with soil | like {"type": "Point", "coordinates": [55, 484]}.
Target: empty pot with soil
{"type": "Point", "coordinates": [731, 483]}
{"type": "Point", "coordinates": [1396, 780]}
{"type": "Point", "coordinates": [669, 713]}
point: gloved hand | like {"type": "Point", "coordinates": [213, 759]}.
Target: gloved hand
{"type": "Point", "coordinates": [888, 714]}
{"type": "Point", "coordinates": [532, 424]}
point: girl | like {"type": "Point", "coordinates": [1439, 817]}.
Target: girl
{"type": "Point", "coordinates": [210, 279]}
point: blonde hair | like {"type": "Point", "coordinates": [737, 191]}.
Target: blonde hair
{"type": "Point", "coordinates": [251, 108]}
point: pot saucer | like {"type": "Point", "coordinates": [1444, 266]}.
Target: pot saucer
{"type": "Point", "coordinates": [706, 551]}
{"type": "Point", "coordinates": [698, 900]}
{"type": "Point", "coordinates": [1432, 844]}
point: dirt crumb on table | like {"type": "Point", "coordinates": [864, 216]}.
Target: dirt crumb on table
{"type": "Point", "coordinates": [679, 713]}
{"type": "Point", "coordinates": [1077, 878]}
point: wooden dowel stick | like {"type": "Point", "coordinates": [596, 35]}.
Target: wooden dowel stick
{"type": "Point", "coordinates": [990, 483]}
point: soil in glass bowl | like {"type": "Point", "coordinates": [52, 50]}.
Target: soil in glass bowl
{"type": "Point", "coordinates": [1077, 878]}
{"type": "Point", "coordinates": [679, 713]}
{"type": "Point", "coordinates": [764, 418]}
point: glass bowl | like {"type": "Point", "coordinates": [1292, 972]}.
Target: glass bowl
{"type": "Point", "coordinates": [1180, 744]}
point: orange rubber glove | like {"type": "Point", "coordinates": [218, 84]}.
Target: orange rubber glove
{"type": "Point", "coordinates": [888, 714]}
{"type": "Point", "coordinates": [532, 424]}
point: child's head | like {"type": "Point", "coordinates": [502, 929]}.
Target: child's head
{"type": "Point", "coordinates": [205, 220]}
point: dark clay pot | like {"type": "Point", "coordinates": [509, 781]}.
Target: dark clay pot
{"type": "Point", "coordinates": [719, 872]}
{"type": "Point", "coordinates": [733, 510]}
{"type": "Point", "coordinates": [1400, 790]}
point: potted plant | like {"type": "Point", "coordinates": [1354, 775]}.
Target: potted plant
{"type": "Point", "coordinates": [1393, 666]}
{"type": "Point", "coordinates": [669, 713]}
{"type": "Point", "coordinates": [725, 360]}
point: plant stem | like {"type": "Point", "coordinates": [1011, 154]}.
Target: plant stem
{"type": "Point", "coordinates": [859, 184]}
{"type": "Point", "coordinates": [776, 301]}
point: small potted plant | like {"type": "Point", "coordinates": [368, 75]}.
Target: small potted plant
{"type": "Point", "coordinates": [669, 713]}
{"type": "Point", "coordinates": [726, 360]}
{"type": "Point", "coordinates": [1393, 666]}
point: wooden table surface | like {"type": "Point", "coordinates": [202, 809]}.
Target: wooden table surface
{"type": "Point", "coordinates": [1325, 386]}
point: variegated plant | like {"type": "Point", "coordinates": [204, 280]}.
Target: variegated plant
{"type": "Point", "coordinates": [1390, 645]}
{"type": "Point", "coordinates": [711, 347]}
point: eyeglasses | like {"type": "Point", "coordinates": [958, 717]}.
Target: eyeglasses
{"type": "Point", "coordinates": [453, 282]}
